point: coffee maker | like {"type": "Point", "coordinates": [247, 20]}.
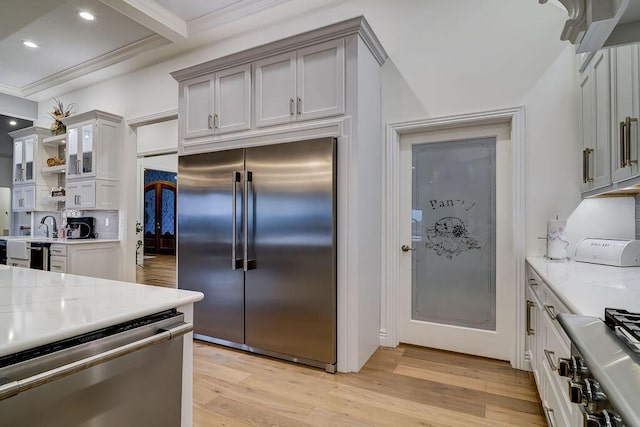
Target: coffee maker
{"type": "Point", "coordinates": [81, 228]}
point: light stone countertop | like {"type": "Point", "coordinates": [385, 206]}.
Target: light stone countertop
{"type": "Point", "coordinates": [58, 240]}
{"type": "Point", "coordinates": [39, 307]}
{"type": "Point", "coordinates": [587, 289]}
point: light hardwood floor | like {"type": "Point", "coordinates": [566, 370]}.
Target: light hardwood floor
{"type": "Point", "coordinates": [403, 386]}
{"type": "Point", "coordinates": [158, 271]}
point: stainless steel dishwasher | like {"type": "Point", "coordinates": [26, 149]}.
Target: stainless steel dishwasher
{"type": "Point", "coordinates": [125, 375]}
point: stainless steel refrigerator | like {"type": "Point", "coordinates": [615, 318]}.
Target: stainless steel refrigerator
{"type": "Point", "coordinates": [257, 235]}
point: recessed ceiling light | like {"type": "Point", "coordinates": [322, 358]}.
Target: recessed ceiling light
{"type": "Point", "coordinates": [13, 123]}
{"type": "Point", "coordinates": [86, 15]}
{"type": "Point", "coordinates": [29, 43]}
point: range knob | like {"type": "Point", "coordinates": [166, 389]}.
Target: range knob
{"type": "Point", "coordinates": [593, 391]}
{"type": "Point", "coordinates": [565, 368]}
{"type": "Point", "coordinates": [606, 418]}
{"type": "Point", "coordinates": [572, 367]}
{"type": "Point", "coordinates": [576, 393]}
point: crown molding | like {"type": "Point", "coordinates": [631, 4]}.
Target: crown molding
{"type": "Point", "coordinates": [153, 16]}
{"type": "Point", "coordinates": [31, 130]}
{"type": "Point", "coordinates": [94, 64]}
{"type": "Point", "coordinates": [90, 115]}
{"type": "Point", "coordinates": [150, 119]}
{"type": "Point", "coordinates": [230, 13]}
{"type": "Point", "coordinates": [10, 90]}
{"type": "Point", "coordinates": [341, 29]}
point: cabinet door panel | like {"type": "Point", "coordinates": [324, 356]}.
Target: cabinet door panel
{"type": "Point", "coordinates": [87, 194]}
{"type": "Point", "coordinates": [16, 197]}
{"type": "Point", "coordinates": [73, 153]}
{"type": "Point", "coordinates": [88, 150]}
{"type": "Point", "coordinates": [624, 87]}
{"type": "Point", "coordinates": [600, 161]}
{"type": "Point", "coordinates": [587, 122]}
{"type": "Point", "coordinates": [233, 100]}
{"type": "Point", "coordinates": [18, 161]}
{"type": "Point", "coordinates": [275, 86]}
{"type": "Point", "coordinates": [197, 100]}
{"type": "Point", "coordinates": [321, 80]}
{"type": "Point", "coordinates": [29, 159]}
{"type": "Point", "coordinates": [29, 198]}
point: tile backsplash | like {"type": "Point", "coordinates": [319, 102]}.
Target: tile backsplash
{"type": "Point", "coordinates": [107, 222]}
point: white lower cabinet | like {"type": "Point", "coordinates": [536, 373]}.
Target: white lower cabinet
{"type": "Point", "coordinates": [92, 194]}
{"type": "Point", "coordinates": [86, 259]}
{"type": "Point", "coordinates": [545, 343]}
{"type": "Point", "coordinates": [28, 198]}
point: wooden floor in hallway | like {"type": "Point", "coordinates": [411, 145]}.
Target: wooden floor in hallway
{"type": "Point", "coordinates": [157, 270]}
{"type": "Point", "coordinates": [403, 386]}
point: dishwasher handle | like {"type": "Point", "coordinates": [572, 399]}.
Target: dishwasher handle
{"type": "Point", "coordinates": [15, 387]}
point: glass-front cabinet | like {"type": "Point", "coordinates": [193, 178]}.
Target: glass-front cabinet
{"type": "Point", "coordinates": [80, 151]}
{"type": "Point", "coordinates": [24, 153]}
{"type": "Point", "coordinates": [93, 146]}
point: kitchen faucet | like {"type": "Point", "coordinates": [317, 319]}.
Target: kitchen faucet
{"type": "Point", "coordinates": [54, 227]}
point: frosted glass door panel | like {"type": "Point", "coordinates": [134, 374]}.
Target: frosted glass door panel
{"type": "Point", "coordinates": [17, 161]}
{"type": "Point", "coordinates": [87, 149]}
{"type": "Point", "coordinates": [72, 163]}
{"type": "Point", "coordinates": [453, 233]}
{"type": "Point", "coordinates": [29, 151]}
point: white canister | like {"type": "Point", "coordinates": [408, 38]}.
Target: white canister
{"type": "Point", "coordinates": [557, 242]}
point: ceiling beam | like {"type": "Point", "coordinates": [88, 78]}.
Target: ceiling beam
{"type": "Point", "coordinates": [153, 16]}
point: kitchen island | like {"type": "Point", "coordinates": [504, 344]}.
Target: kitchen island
{"type": "Point", "coordinates": [39, 308]}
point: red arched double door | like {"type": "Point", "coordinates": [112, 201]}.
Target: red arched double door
{"type": "Point", "coordinates": [160, 218]}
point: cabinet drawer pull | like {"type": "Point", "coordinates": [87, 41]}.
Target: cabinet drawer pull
{"type": "Point", "coordinates": [299, 106]}
{"type": "Point", "coordinates": [627, 123]}
{"type": "Point", "coordinates": [216, 121]}
{"type": "Point", "coordinates": [584, 166]}
{"type": "Point", "coordinates": [548, 411]}
{"type": "Point", "coordinates": [550, 361]}
{"type": "Point", "coordinates": [588, 164]}
{"type": "Point", "coordinates": [623, 151]}
{"type": "Point", "coordinates": [550, 311]}
{"type": "Point", "coordinates": [209, 122]}
{"type": "Point", "coordinates": [530, 330]}
{"type": "Point", "coordinates": [292, 107]}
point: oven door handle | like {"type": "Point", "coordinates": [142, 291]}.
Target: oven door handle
{"type": "Point", "coordinates": [15, 387]}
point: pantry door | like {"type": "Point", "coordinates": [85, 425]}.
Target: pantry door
{"type": "Point", "coordinates": [457, 281]}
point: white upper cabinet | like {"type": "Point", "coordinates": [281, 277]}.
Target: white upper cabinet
{"type": "Point", "coordinates": [595, 91]}
{"type": "Point", "coordinates": [26, 150]}
{"type": "Point", "coordinates": [216, 103]}
{"type": "Point", "coordinates": [624, 114]}
{"type": "Point", "coordinates": [232, 101]}
{"type": "Point", "coordinates": [93, 145]}
{"type": "Point", "coordinates": [301, 85]}
{"type": "Point", "coordinates": [321, 80]}
{"type": "Point", "coordinates": [275, 86]}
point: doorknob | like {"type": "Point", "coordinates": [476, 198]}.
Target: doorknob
{"type": "Point", "coordinates": [406, 248]}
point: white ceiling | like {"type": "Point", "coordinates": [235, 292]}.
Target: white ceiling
{"type": "Point", "coordinates": [70, 47]}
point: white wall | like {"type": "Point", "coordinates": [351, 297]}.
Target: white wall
{"type": "Point", "coordinates": [161, 136]}
{"type": "Point", "coordinates": [5, 210]}
{"type": "Point", "coordinates": [6, 167]}
{"type": "Point", "coordinates": [552, 152]}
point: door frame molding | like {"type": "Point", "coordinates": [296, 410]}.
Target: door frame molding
{"type": "Point", "coordinates": [390, 269]}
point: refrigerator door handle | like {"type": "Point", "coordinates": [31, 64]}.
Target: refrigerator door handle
{"type": "Point", "coordinates": [247, 263]}
{"type": "Point", "coordinates": [235, 262]}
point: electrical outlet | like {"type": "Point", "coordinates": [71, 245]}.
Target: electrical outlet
{"type": "Point", "coordinates": [106, 222]}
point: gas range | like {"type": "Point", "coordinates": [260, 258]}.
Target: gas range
{"type": "Point", "coordinates": [604, 368]}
